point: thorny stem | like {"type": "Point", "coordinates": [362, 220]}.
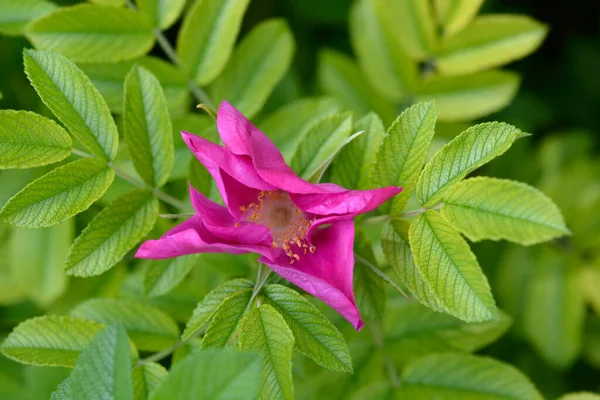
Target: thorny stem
{"type": "Point", "coordinates": [381, 274]}
{"type": "Point", "coordinates": [123, 175]}
{"type": "Point", "coordinates": [165, 45]}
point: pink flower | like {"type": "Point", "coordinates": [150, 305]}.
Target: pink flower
{"type": "Point", "coordinates": [303, 231]}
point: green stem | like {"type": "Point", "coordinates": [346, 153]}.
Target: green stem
{"type": "Point", "coordinates": [381, 274]}
{"type": "Point", "coordinates": [376, 220]}
{"type": "Point", "coordinates": [166, 46]}
{"type": "Point", "coordinates": [123, 175]}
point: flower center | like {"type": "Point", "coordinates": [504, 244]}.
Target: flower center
{"type": "Point", "coordinates": [287, 223]}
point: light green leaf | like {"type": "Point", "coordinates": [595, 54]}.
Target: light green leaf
{"type": "Point", "coordinates": [413, 331]}
{"type": "Point", "coordinates": [450, 269]}
{"type": "Point", "coordinates": [580, 396]}
{"type": "Point", "coordinates": [112, 3]}
{"type": "Point", "coordinates": [49, 340]}
{"type": "Point", "coordinates": [163, 275]}
{"type": "Point", "coordinates": [161, 13]}
{"type": "Point", "coordinates": [465, 153]}
{"type": "Point", "coordinates": [112, 233]}
{"type": "Point", "coordinates": [369, 288]}
{"type": "Point", "coordinates": [394, 240]}
{"type": "Point", "coordinates": [211, 374]}
{"type": "Point", "coordinates": [146, 378]}
{"type": "Point", "coordinates": [287, 126]}
{"type": "Point", "coordinates": [352, 167]}
{"type": "Point", "coordinates": [265, 331]}
{"type": "Point", "coordinates": [30, 140]}
{"type": "Point", "coordinates": [454, 15]}
{"type": "Point", "coordinates": [489, 41]}
{"type": "Point", "coordinates": [40, 273]}
{"type": "Point", "coordinates": [58, 195]}
{"type": "Point", "coordinates": [102, 370]}
{"type": "Point", "coordinates": [465, 376]}
{"type": "Point", "coordinates": [208, 306]}
{"type": "Point", "coordinates": [380, 54]}
{"type": "Point", "coordinates": [223, 330]}
{"type": "Point", "coordinates": [256, 66]}
{"type": "Point", "coordinates": [207, 37]}
{"type": "Point", "coordinates": [108, 79]}
{"type": "Point", "coordinates": [321, 141]}
{"type": "Point", "coordinates": [412, 22]}
{"type": "Point", "coordinates": [339, 76]}
{"type": "Point", "coordinates": [490, 208]}
{"type": "Point", "coordinates": [63, 390]}
{"type": "Point", "coordinates": [93, 33]}
{"type": "Point", "coordinates": [463, 98]}
{"type": "Point", "coordinates": [70, 95]}
{"type": "Point", "coordinates": [148, 327]}
{"type": "Point", "coordinates": [15, 15]}
{"type": "Point", "coordinates": [403, 152]}
{"type": "Point", "coordinates": [148, 130]}
{"type": "Point", "coordinates": [315, 336]}
{"type": "Point", "coordinates": [555, 309]}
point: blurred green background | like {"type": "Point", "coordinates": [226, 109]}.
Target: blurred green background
{"type": "Point", "coordinates": [552, 291]}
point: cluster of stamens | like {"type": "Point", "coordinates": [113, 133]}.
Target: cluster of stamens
{"type": "Point", "coordinates": [287, 223]}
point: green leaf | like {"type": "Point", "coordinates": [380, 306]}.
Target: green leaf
{"type": "Point", "coordinates": [580, 396]}
{"type": "Point", "coordinates": [339, 76]}
{"type": "Point", "coordinates": [93, 33]}
{"type": "Point", "coordinates": [489, 41]}
{"type": "Point", "coordinates": [146, 378]}
{"type": "Point", "coordinates": [112, 3]}
{"type": "Point", "coordinates": [320, 142]}
{"type": "Point", "coordinates": [256, 66]}
{"type": "Point", "coordinates": [30, 140]}
{"type": "Point", "coordinates": [208, 306]}
{"type": "Point", "coordinates": [211, 374]}
{"type": "Point", "coordinates": [63, 390]}
{"type": "Point", "coordinates": [207, 37]}
{"type": "Point", "coordinates": [403, 152]}
{"type": "Point", "coordinates": [49, 340]}
{"type": "Point", "coordinates": [287, 126]}
{"type": "Point", "coordinates": [161, 13]}
{"type": "Point", "coordinates": [413, 331]}
{"type": "Point", "coordinates": [465, 153]}
{"type": "Point", "coordinates": [265, 331]}
{"type": "Point", "coordinates": [394, 240]}
{"type": "Point", "coordinates": [15, 15]}
{"type": "Point", "coordinates": [148, 327]}
{"type": "Point", "coordinates": [70, 95]}
{"type": "Point", "coordinates": [148, 130]}
{"type": "Point", "coordinates": [102, 370]}
{"type": "Point", "coordinates": [490, 208]}
{"type": "Point", "coordinates": [450, 269]}
{"type": "Point", "coordinates": [369, 288]}
{"type": "Point", "coordinates": [463, 98]}
{"type": "Point", "coordinates": [454, 15]}
{"type": "Point", "coordinates": [58, 195]}
{"type": "Point", "coordinates": [412, 22]}
{"type": "Point", "coordinates": [352, 167]}
{"type": "Point", "coordinates": [163, 275]}
{"type": "Point", "coordinates": [40, 273]}
{"type": "Point", "coordinates": [465, 376]}
{"type": "Point", "coordinates": [555, 309]}
{"type": "Point", "coordinates": [108, 79]}
{"type": "Point", "coordinates": [380, 54]}
{"type": "Point", "coordinates": [223, 330]}
{"type": "Point", "coordinates": [112, 233]}
{"type": "Point", "coordinates": [315, 336]}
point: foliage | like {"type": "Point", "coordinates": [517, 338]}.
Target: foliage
{"type": "Point", "coordinates": [96, 165]}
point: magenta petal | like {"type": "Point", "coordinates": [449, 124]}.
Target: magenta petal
{"type": "Point", "coordinates": [328, 273]}
{"type": "Point", "coordinates": [349, 203]}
